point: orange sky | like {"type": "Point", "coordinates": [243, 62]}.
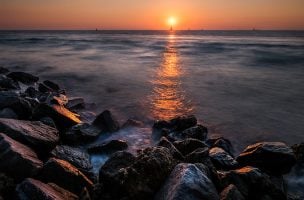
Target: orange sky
{"type": "Point", "coordinates": [151, 14]}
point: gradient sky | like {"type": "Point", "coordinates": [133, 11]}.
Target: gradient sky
{"type": "Point", "coordinates": [151, 14]}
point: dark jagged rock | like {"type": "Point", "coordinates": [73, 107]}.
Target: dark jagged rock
{"type": "Point", "coordinates": [183, 122]}
{"type": "Point", "coordinates": [50, 84]}
{"type": "Point", "coordinates": [43, 88]}
{"type": "Point", "coordinates": [132, 123]}
{"type": "Point", "coordinates": [75, 156]}
{"type": "Point", "coordinates": [23, 77]}
{"type": "Point", "coordinates": [81, 133]}
{"type": "Point", "coordinates": [231, 193]}
{"type": "Point", "coordinates": [7, 186]}
{"type": "Point", "coordinates": [188, 145]}
{"type": "Point", "coordinates": [16, 159]}
{"type": "Point", "coordinates": [48, 121]}
{"type": "Point", "coordinates": [164, 142]}
{"type": "Point", "coordinates": [31, 189]}
{"type": "Point", "coordinates": [8, 113]}
{"type": "Point", "coordinates": [218, 141]}
{"type": "Point", "coordinates": [109, 146]}
{"type": "Point", "coordinates": [187, 182]}
{"type": "Point", "coordinates": [221, 159]}
{"type": "Point", "coordinates": [34, 133]}
{"type": "Point", "coordinates": [75, 103]}
{"type": "Point", "coordinates": [298, 150]}
{"type": "Point", "coordinates": [160, 124]}
{"type": "Point", "coordinates": [8, 83]}
{"type": "Point", "coordinates": [3, 70]}
{"type": "Point", "coordinates": [62, 116]}
{"type": "Point", "coordinates": [252, 183]}
{"type": "Point", "coordinates": [65, 175]}
{"type": "Point", "coordinates": [60, 99]}
{"type": "Point", "coordinates": [200, 155]}
{"type": "Point", "coordinates": [32, 92]}
{"type": "Point", "coordinates": [275, 157]}
{"type": "Point", "coordinates": [106, 122]}
{"type": "Point", "coordinates": [197, 132]}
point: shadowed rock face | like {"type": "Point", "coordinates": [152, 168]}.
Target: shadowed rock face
{"type": "Point", "coordinates": [17, 159]}
{"type": "Point", "coordinates": [23, 77]}
{"type": "Point", "coordinates": [31, 189]}
{"type": "Point", "coordinates": [106, 122]}
{"type": "Point", "coordinates": [231, 193]}
{"type": "Point", "coordinates": [221, 159]}
{"type": "Point", "coordinates": [65, 175]}
{"type": "Point", "coordinates": [275, 157]}
{"type": "Point", "coordinates": [8, 83]}
{"type": "Point", "coordinates": [34, 133]}
{"type": "Point", "coordinates": [108, 147]}
{"type": "Point", "coordinates": [187, 182]}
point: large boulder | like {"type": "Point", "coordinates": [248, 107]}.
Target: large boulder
{"type": "Point", "coordinates": [65, 175]}
{"type": "Point", "coordinates": [187, 182]}
{"type": "Point", "coordinates": [197, 132]}
{"type": "Point", "coordinates": [8, 83]}
{"type": "Point", "coordinates": [221, 159]}
{"type": "Point", "coordinates": [231, 193]}
{"type": "Point", "coordinates": [108, 146]}
{"type": "Point", "coordinates": [183, 122]}
{"type": "Point", "coordinates": [299, 152]}
{"type": "Point", "coordinates": [253, 183]}
{"type": "Point", "coordinates": [221, 142]}
{"type": "Point", "coordinates": [164, 142]}
{"type": "Point", "coordinates": [7, 187]}
{"type": "Point", "coordinates": [75, 103]}
{"type": "Point", "coordinates": [189, 145]}
{"type": "Point", "coordinates": [81, 134]}
{"type": "Point", "coordinates": [63, 118]}
{"type": "Point", "coordinates": [106, 122]}
{"type": "Point", "coordinates": [23, 77]}
{"type": "Point", "coordinates": [75, 156]}
{"type": "Point", "coordinates": [274, 157]}
{"type": "Point", "coordinates": [33, 133]}
{"type": "Point", "coordinates": [16, 159]}
{"type": "Point", "coordinates": [31, 189]}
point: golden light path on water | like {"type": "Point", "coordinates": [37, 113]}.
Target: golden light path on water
{"type": "Point", "coordinates": [168, 99]}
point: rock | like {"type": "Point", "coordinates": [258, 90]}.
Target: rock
{"type": "Point", "coordinates": [188, 145]}
{"type": "Point", "coordinates": [252, 183]}
{"type": "Point", "coordinates": [160, 124]}
{"type": "Point", "coordinates": [106, 122]}
{"type": "Point", "coordinates": [183, 122]}
{"type": "Point", "coordinates": [87, 116]}
{"type": "Point", "coordinates": [8, 83]}
{"type": "Point", "coordinates": [32, 92]}
{"type": "Point", "coordinates": [75, 103]}
{"type": "Point", "coordinates": [197, 132]}
{"type": "Point", "coordinates": [8, 113]}
{"type": "Point", "coordinates": [132, 123]}
{"type": "Point", "coordinates": [34, 133]}
{"type": "Point", "coordinates": [23, 77]}
{"type": "Point", "coordinates": [7, 186]}
{"type": "Point", "coordinates": [31, 189]}
{"type": "Point", "coordinates": [275, 157]}
{"type": "Point", "coordinates": [298, 150]}
{"type": "Point", "coordinates": [16, 159]}
{"type": "Point", "coordinates": [50, 84]}
{"type": "Point", "coordinates": [43, 88]}
{"type": "Point", "coordinates": [65, 175]}
{"type": "Point", "coordinates": [81, 133]}
{"type": "Point", "coordinates": [48, 121]}
{"type": "Point", "coordinates": [63, 118]}
{"type": "Point", "coordinates": [60, 99]}
{"type": "Point", "coordinates": [3, 70]}
{"type": "Point", "coordinates": [164, 142]}
{"type": "Point", "coordinates": [109, 146]}
{"type": "Point", "coordinates": [200, 155]}
{"type": "Point", "coordinates": [221, 159]}
{"type": "Point", "coordinates": [75, 156]}
{"type": "Point", "coordinates": [187, 182]}
{"type": "Point", "coordinates": [231, 193]}
{"type": "Point", "coordinates": [221, 142]}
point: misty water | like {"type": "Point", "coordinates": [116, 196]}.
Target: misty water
{"type": "Point", "coordinates": [245, 85]}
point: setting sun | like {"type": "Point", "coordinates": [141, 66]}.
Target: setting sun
{"type": "Point", "coordinates": [171, 21]}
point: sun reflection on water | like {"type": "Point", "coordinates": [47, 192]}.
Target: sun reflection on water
{"type": "Point", "coordinates": [168, 99]}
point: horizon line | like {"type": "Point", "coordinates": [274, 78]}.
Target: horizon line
{"type": "Point", "coordinates": [96, 29]}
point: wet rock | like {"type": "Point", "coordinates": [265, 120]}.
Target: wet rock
{"type": "Point", "coordinates": [164, 142]}
{"type": "Point", "coordinates": [43, 88]}
{"type": "Point", "coordinates": [75, 103]}
{"type": "Point", "coordinates": [60, 99]}
{"type": "Point", "coordinates": [8, 83]}
{"type": "Point", "coordinates": [189, 145]}
{"type": "Point", "coordinates": [8, 113]}
{"type": "Point", "coordinates": [160, 124]}
{"type": "Point", "coordinates": [106, 122]}
{"type": "Point", "coordinates": [108, 147]}
{"type": "Point", "coordinates": [298, 150]}
{"type": "Point", "coordinates": [274, 157]}
{"type": "Point", "coordinates": [221, 142]}
{"type": "Point", "coordinates": [3, 70]}
{"type": "Point", "coordinates": [7, 186]}
{"type": "Point", "coordinates": [48, 121]}
{"type": "Point", "coordinates": [252, 183]}
{"type": "Point", "coordinates": [200, 155]}
{"type": "Point", "coordinates": [187, 182]}
{"type": "Point", "coordinates": [221, 159]}
{"type": "Point", "coordinates": [50, 84]}
{"type": "Point", "coordinates": [31, 189]}
{"type": "Point", "coordinates": [34, 133]}
{"type": "Point", "coordinates": [62, 116]}
{"type": "Point", "coordinates": [81, 133]}
{"type": "Point", "coordinates": [32, 92]}
{"type": "Point", "coordinates": [16, 159]}
{"type": "Point", "coordinates": [183, 122]}
{"type": "Point", "coordinates": [75, 156]}
{"type": "Point", "coordinates": [23, 77]}
{"type": "Point", "coordinates": [65, 175]}
{"type": "Point", "coordinates": [87, 116]}
{"type": "Point", "coordinates": [231, 193]}
{"type": "Point", "coordinates": [197, 132]}
{"type": "Point", "coordinates": [132, 123]}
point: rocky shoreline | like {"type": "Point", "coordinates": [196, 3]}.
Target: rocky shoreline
{"type": "Point", "coordinates": [41, 129]}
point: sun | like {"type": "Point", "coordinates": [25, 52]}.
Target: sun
{"type": "Point", "coordinates": [172, 21]}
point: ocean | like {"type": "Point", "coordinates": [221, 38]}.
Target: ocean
{"type": "Point", "coordinates": [245, 85]}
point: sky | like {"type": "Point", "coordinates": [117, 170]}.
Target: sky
{"type": "Point", "coordinates": [151, 14]}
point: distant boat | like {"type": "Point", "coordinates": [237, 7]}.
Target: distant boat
{"type": "Point", "coordinates": [96, 29]}
{"type": "Point", "coordinates": [171, 28]}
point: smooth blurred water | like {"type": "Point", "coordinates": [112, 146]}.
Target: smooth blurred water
{"type": "Point", "coordinates": [245, 85]}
